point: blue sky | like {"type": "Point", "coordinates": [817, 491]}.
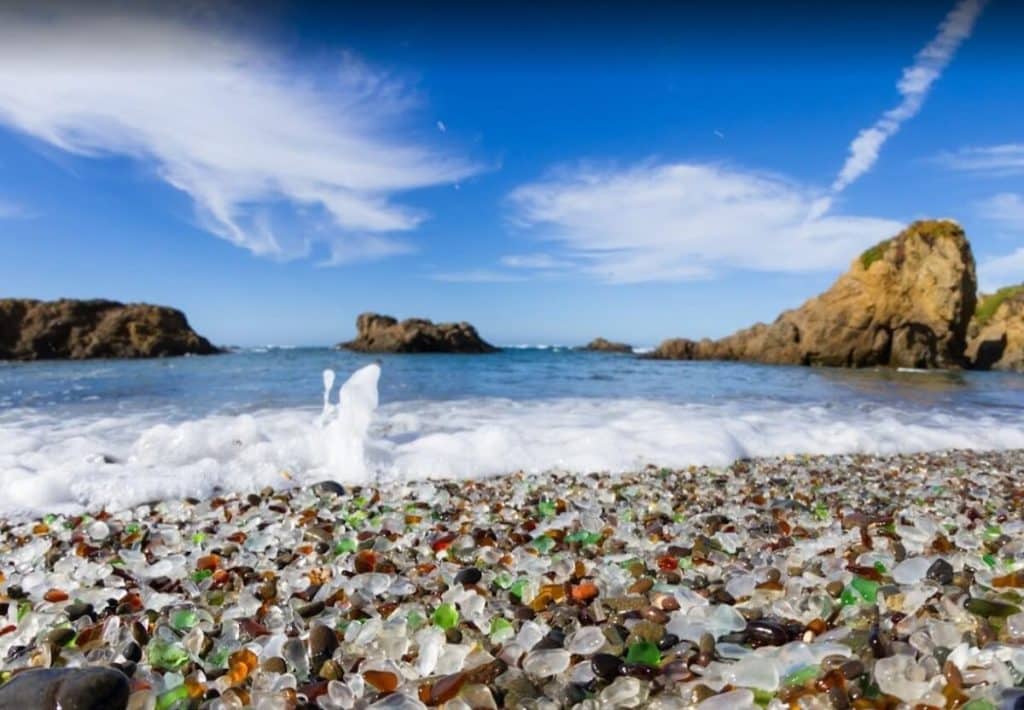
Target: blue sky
{"type": "Point", "coordinates": [549, 174]}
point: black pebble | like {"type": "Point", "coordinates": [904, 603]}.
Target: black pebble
{"type": "Point", "coordinates": [667, 641]}
{"type": "Point", "coordinates": [91, 688]}
{"type": "Point", "coordinates": [940, 572]}
{"type": "Point", "coordinates": [328, 488]}
{"type": "Point", "coordinates": [77, 610]}
{"type": "Point", "coordinates": [606, 666]}
{"type": "Point", "coordinates": [468, 575]}
{"type": "Point", "coordinates": [132, 652]}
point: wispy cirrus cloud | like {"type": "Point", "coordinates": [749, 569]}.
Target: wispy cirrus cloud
{"type": "Point", "coordinates": [477, 276]}
{"type": "Point", "coordinates": [994, 160]}
{"type": "Point", "coordinates": [537, 260]}
{"type": "Point", "coordinates": [1005, 209]}
{"type": "Point", "coordinates": [11, 210]}
{"type": "Point", "coordinates": [683, 221]}
{"type": "Point", "coordinates": [280, 157]}
{"type": "Point", "coordinates": [913, 87]}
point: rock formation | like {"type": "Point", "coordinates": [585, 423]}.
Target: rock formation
{"type": "Point", "coordinates": [602, 345]}
{"type": "Point", "coordinates": [384, 334]}
{"type": "Point", "coordinates": [72, 329]}
{"type": "Point", "coordinates": [995, 338]}
{"type": "Point", "coordinates": [905, 302]}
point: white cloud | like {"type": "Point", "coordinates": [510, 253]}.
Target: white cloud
{"type": "Point", "coordinates": [10, 210]}
{"type": "Point", "coordinates": [678, 221]}
{"type": "Point", "coordinates": [477, 276]}
{"type": "Point", "coordinates": [1002, 271]}
{"type": "Point", "coordinates": [913, 87]}
{"type": "Point", "coordinates": [537, 260]}
{"type": "Point", "coordinates": [1006, 211]}
{"type": "Point", "coordinates": [994, 160]}
{"type": "Point", "coordinates": [277, 158]}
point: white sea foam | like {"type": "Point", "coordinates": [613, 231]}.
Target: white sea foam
{"type": "Point", "coordinates": [50, 463]}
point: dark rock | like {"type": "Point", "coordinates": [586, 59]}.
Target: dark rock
{"type": "Point", "coordinates": [766, 633]}
{"type": "Point", "coordinates": [905, 302]}
{"type": "Point", "coordinates": [322, 644]}
{"type": "Point", "coordinates": [308, 610]}
{"type": "Point", "coordinates": [606, 666]}
{"type": "Point", "coordinates": [132, 652]}
{"type": "Point", "coordinates": [77, 330]}
{"type": "Point", "coordinates": [667, 641]}
{"type": "Point", "coordinates": [328, 488]}
{"type": "Point", "coordinates": [91, 688]}
{"type": "Point", "coordinates": [77, 610]}
{"type": "Point", "coordinates": [384, 334]}
{"type": "Point", "coordinates": [468, 575]}
{"type": "Point", "coordinates": [600, 345]}
{"type": "Point", "coordinates": [940, 572]}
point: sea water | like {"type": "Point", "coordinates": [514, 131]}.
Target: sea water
{"type": "Point", "coordinates": [77, 435]}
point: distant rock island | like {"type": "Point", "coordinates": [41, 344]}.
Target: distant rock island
{"type": "Point", "coordinates": [79, 330]}
{"type": "Point", "coordinates": [906, 302]}
{"type": "Point", "coordinates": [377, 333]}
{"type": "Point", "coordinates": [601, 345]}
{"type": "Point", "coordinates": [995, 337]}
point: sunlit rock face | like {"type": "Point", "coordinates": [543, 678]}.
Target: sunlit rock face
{"type": "Point", "coordinates": [905, 302]}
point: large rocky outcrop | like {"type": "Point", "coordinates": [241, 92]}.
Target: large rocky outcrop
{"type": "Point", "coordinates": [905, 302]}
{"type": "Point", "coordinates": [384, 334]}
{"type": "Point", "coordinates": [71, 329]}
{"type": "Point", "coordinates": [995, 338]}
{"type": "Point", "coordinates": [602, 345]}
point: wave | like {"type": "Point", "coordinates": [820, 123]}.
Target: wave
{"type": "Point", "coordinates": [49, 463]}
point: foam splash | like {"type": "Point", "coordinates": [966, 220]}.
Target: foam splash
{"type": "Point", "coordinates": [346, 424]}
{"type": "Point", "coordinates": [53, 463]}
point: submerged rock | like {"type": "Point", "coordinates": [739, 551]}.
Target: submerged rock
{"type": "Point", "coordinates": [383, 334]}
{"type": "Point", "coordinates": [77, 330]}
{"type": "Point", "coordinates": [93, 688]}
{"type": "Point", "coordinates": [905, 302]}
{"type": "Point", "coordinates": [996, 333]}
{"type": "Point", "coordinates": [601, 345]}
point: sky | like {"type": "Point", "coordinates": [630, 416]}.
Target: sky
{"type": "Point", "coordinates": [550, 172]}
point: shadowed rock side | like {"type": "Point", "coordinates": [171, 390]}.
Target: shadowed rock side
{"type": "Point", "coordinates": [905, 302]}
{"type": "Point", "coordinates": [384, 334]}
{"type": "Point", "coordinates": [600, 345]}
{"type": "Point", "coordinates": [995, 338]}
{"type": "Point", "coordinates": [77, 330]}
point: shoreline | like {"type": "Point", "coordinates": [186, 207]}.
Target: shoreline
{"type": "Point", "coordinates": [856, 578]}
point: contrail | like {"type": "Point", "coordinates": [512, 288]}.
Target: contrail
{"type": "Point", "coordinates": [913, 86]}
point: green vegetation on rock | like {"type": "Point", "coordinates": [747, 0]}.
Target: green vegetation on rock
{"type": "Point", "coordinates": [870, 256]}
{"type": "Point", "coordinates": [988, 305]}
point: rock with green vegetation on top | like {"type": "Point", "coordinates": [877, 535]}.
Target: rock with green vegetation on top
{"type": "Point", "coordinates": [996, 333]}
{"type": "Point", "coordinates": [905, 302]}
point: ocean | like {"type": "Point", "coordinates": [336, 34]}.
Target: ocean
{"type": "Point", "coordinates": [81, 435]}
